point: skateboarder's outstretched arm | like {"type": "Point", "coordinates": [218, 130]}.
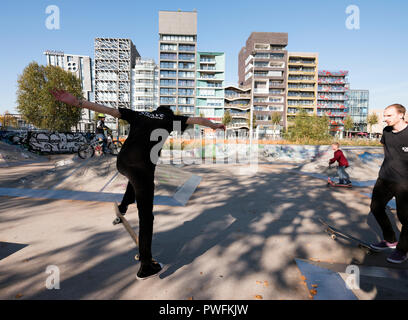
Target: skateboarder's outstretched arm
{"type": "Point", "coordinates": [205, 122]}
{"type": "Point", "coordinates": [68, 98]}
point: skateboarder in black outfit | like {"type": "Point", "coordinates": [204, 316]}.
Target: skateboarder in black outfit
{"type": "Point", "coordinates": [136, 162]}
{"type": "Point", "coordinates": [393, 181]}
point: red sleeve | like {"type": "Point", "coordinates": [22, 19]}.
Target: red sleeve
{"type": "Point", "coordinates": [336, 157]}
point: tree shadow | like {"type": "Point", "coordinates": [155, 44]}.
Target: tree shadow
{"type": "Point", "coordinates": [244, 225]}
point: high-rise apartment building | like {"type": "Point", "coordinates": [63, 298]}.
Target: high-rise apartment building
{"type": "Point", "coordinates": [358, 109]}
{"type": "Point", "coordinates": [145, 85]}
{"type": "Point", "coordinates": [114, 60]}
{"type": "Point", "coordinates": [332, 98]}
{"type": "Point", "coordinates": [177, 60]}
{"type": "Point", "coordinates": [262, 65]}
{"type": "Point", "coordinates": [81, 66]}
{"type": "Point", "coordinates": [302, 83]}
{"type": "Point", "coordinates": [210, 85]}
{"type": "Point", "coordinates": [238, 105]}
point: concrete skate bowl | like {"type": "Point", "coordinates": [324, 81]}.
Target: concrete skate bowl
{"type": "Point", "coordinates": [15, 154]}
{"type": "Point", "coordinates": [291, 153]}
{"type": "Point", "coordinates": [97, 179]}
{"type": "Point", "coordinates": [364, 163]}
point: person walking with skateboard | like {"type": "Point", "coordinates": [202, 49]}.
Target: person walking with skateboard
{"type": "Point", "coordinates": [137, 162]}
{"type": "Point", "coordinates": [344, 178]}
{"type": "Point", "coordinates": [392, 182]}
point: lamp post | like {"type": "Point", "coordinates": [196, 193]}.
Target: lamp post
{"type": "Point", "coordinates": [251, 111]}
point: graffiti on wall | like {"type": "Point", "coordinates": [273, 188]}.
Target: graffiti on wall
{"type": "Point", "coordinates": [47, 142]}
{"type": "Point", "coordinates": [55, 142]}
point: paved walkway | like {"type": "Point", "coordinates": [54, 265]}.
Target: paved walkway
{"type": "Point", "coordinates": [235, 236]}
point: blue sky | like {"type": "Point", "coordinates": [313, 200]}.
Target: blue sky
{"type": "Point", "coordinates": [376, 55]}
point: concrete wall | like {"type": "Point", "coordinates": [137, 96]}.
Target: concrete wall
{"type": "Point", "coordinates": [177, 22]}
{"type": "Point", "coordinates": [48, 142]}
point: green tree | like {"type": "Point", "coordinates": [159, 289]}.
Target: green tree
{"type": "Point", "coordinates": [276, 119]}
{"type": "Point", "coordinates": [36, 103]}
{"type": "Point", "coordinates": [227, 119]}
{"type": "Point", "coordinates": [348, 124]}
{"type": "Point", "coordinates": [253, 120]}
{"type": "Point", "coordinates": [308, 128]}
{"type": "Point", "coordinates": [372, 120]}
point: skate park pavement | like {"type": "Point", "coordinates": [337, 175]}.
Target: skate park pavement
{"type": "Point", "coordinates": [221, 233]}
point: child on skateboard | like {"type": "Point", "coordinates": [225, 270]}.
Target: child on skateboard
{"type": "Point", "coordinates": [138, 165]}
{"type": "Point", "coordinates": [344, 178]}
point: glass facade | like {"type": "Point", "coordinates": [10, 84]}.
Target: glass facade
{"type": "Point", "coordinates": [358, 101]}
{"type": "Point", "coordinates": [210, 85]}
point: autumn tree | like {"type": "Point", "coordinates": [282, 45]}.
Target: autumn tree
{"type": "Point", "coordinates": [372, 120]}
{"type": "Point", "coordinates": [37, 105]}
{"type": "Point", "coordinates": [348, 124]}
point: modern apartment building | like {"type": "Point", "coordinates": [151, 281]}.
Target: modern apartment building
{"type": "Point", "coordinates": [238, 105]}
{"type": "Point", "coordinates": [177, 60]}
{"type": "Point", "coordinates": [81, 66]}
{"type": "Point", "coordinates": [114, 60]}
{"type": "Point", "coordinates": [210, 79]}
{"type": "Point", "coordinates": [358, 103]}
{"type": "Point", "coordinates": [262, 65]}
{"type": "Point", "coordinates": [302, 83]}
{"type": "Point", "coordinates": [332, 98]}
{"type": "Point", "coordinates": [145, 85]}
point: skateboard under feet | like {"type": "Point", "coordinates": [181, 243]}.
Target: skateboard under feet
{"type": "Point", "coordinates": [121, 219]}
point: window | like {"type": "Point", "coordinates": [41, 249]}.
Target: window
{"type": "Point", "coordinates": [178, 38]}
{"type": "Point", "coordinates": [186, 83]}
{"type": "Point", "coordinates": [168, 47]}
{"type": "Point", "coordinates": [214, 103]}
{"type": "Point", "coordinates": [186, 47]}
{"type": "Point", "coordinates": [168, 56]}
{"type": "Point", "coordinates": [207, 92]}
{"type": "Point", "coordinates": [167, 65]}
{"type": "Point", "coordinates": [186, 65]}
{"type": "Point", "coordinates": [167, 82]}
{"type": "Point", "coordinates": [186, 109]}
{"type": "Point", "coordinates": [185, 56]}
{"type": "Point", "coordinates": [186, 74]}
{"type": "Point", "coordinates": [261, 46]}
{"type": "Point", "coordinates": [167, 100]}
{"type": "Point", "coordinates": [168, 91]}
{"type": "Point", "coordinates": [167, 74]}
{"type": "Point", "coordinates": [185, 100]}
{"type": "Point", "coordinates": [186, 92]}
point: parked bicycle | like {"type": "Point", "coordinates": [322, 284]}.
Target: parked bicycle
{"type": "Point", "coordinates": [95, 146]}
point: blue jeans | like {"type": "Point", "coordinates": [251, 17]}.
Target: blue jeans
{"type": "Point", "coordinates": [343, 175]}
{"type": "Point", "coordinates": [104, 141]}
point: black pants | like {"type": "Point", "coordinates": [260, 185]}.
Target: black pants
{"type": "Point", "coordinates": [383, 192]}
{"type": "Point", "coordinates": [140, 188]}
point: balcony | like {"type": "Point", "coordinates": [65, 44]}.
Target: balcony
{"type": "Point", "coordinates": [261, 90]}
{"type": "Point", "coordinates": [331, 81]}
{"type": "Point", "coordinates": [239, 125]}
{"type": "Point", "coordinates": [237, 106]}
{"type": "Point", "coordinates": [238, 96]}
{"type": "Point", "coordinates": [205, 60]}
{"type": "Point", "coordinates": [187, 48]}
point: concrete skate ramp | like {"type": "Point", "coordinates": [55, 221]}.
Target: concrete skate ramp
{"type": "Point", "coordinates": [97, 179]}
{"type": "Point", "coordinates": [14, 154]}
{"type": "Point", "coordinates": [100, 175]}
{"type": "Point", "coordinates": [364, 163]}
